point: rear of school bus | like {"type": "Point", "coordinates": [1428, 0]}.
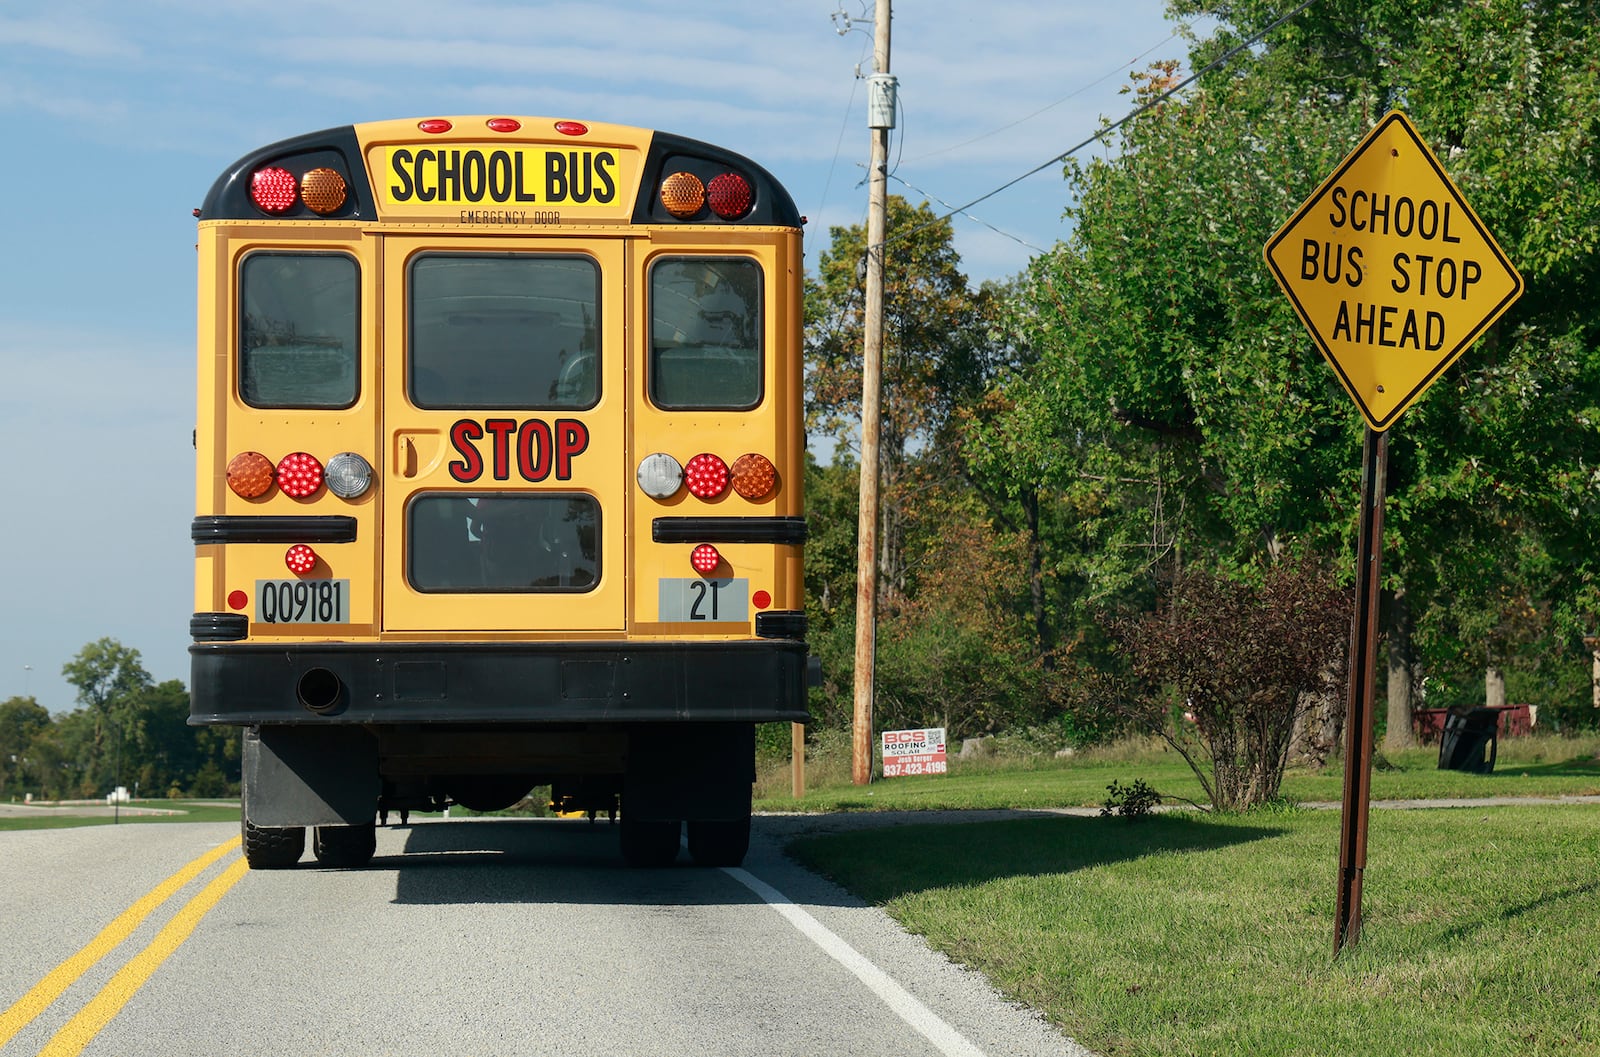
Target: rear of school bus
{"type": "Point", "coordinates": [499, 479]}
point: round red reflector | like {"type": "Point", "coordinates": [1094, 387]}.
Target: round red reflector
{"type": "Point", "coordinates": [238, 600]}
{"type": "Point", "coordinates": [300, 559]}
{"type": "Point", "coordinates": [503, 124]}
{"type": "Point", "coordinates": [249, 474]}
{"type": "Point", "coordinates": [754, 475]}
{"type": "Point", "coordinates": [729, 195]}
{"type": "Point", "coordinates": [324, 191]}
{"type": "Point", "coordinates": [572, 128]}
{"type": "Point", "coordinates": [761, 599]}
{"type": "Point", "coordinates": [434, 125]}
{"type": "Point", "coordinates": [299, 475]}
{"type": "Point", "coordinates": [706, 475]}
{"type": "Point", "coordinates": [274, 190]}
{"type": "Point", "coordinates": [682, 194]}
{"type": "Point", "coordinates": [705, 559]}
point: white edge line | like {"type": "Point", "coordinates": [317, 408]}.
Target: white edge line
{"type": "Point", "coordinates": [932, 1027]}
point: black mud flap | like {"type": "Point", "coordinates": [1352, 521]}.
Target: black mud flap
{"type": "Point", "coordinates": [310, 776]}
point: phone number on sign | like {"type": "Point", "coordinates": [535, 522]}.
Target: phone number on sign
{"type": "Point", "coordinates": [897, 770]}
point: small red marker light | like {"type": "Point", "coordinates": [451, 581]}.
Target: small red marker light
{"type": "Point", "coordinates": [300, 559]}
{"type": "Point", "coordinates": [761, 599]}
{"type": "Point", "coordinates": [503, 124]}
{"type": "Point", "coordinates": [238, 600]}
{"type": "Point", "coordinates": [705, 559]}
{"type": "Point", "coordinates": [434, 125]}
{"type": "Point", "coordinates": [572, 128]}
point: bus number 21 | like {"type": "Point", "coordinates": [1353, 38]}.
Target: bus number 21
{"type": "Point", "coordinates": [703, 590]}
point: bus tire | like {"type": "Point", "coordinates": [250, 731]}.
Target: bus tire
{"type": "Point", "coordinates": [719, 842]}
{"type": "Point", "coordinates": [345, 846]}
{"type": "Point", "coordinates": [272, 847]}
{"type": "Point", "coordinates": [649, 842]}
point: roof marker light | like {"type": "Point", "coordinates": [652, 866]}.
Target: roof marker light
{"type": "Point", "coordinates": [503, 124]}
{"type": "Point", "coordinates": [434, 125]}
{"type": "Point", "coordinates": [572, 128]}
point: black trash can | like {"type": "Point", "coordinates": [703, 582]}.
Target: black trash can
{"type": "Point", "coordinates": [1470, 740]}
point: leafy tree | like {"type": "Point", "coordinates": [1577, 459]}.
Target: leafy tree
{"type": "Point", "coordinates": [934, 355]}
{"type": "Point", "coordinates": [22, 721]}
{"type": "Point", "coordinates": [111, 683]}
{"type": "Point", "coordinates": [1176, 404]}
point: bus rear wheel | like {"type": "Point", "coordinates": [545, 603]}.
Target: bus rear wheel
{"type": "Point", "coordinates": [345, 846]}
{"type": "Point", "coordinates": [272, 847]}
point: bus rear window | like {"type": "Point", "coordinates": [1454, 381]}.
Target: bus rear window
{"type": "Point", "coordinates": [503, 542]}
{"type": "Point", "coordinates": [504, 332]}
{"type": "Point", "coordinates": [298, 342]}
{"type": "Point", "coordinates": [705, 333]}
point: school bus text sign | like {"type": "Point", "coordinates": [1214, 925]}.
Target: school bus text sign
{"type": "Point", "coordinates": [1391, 271]}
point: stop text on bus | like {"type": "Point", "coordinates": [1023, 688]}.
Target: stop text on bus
{"type": "Point", "coordinates": [535, 448]}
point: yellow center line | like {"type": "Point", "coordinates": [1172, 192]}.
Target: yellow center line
{"type": "Point", "coordinates": [63, 976]}
{"type": "Point", "coordinates": [81, 1029]}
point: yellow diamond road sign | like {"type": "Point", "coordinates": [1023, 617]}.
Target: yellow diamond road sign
{"type": "Point", "coordinates": [1391, 271]}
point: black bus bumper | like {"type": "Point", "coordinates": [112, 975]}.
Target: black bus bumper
{"type": "Point", "coordinates": [249, 684]}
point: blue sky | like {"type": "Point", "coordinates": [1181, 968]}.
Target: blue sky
{"type": "Point", "coordinates": [119, 114]}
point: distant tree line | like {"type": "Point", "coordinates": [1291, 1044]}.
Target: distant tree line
{"type": "Point", "coordinates": [127, 730]}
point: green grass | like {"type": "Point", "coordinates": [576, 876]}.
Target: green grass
{"type": "Point", "coordinates": [1544, 766]}
{"type": "Point", "coordinates": [1194, 934]}
{"type": "Point", "coordinates": [48, 818]}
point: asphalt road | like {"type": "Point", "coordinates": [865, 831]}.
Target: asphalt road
{"type": "Point", "coordinates": [481, 937]}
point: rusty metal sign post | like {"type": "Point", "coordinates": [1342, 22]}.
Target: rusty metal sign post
{"type": "Point", "coordinates": [1395, 276]}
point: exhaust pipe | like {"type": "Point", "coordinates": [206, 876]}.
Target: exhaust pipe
{"type": "Point", "coordinates": [320, 691]}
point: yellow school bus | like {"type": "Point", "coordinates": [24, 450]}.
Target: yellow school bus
{"type": "Point", "coordinates": [499, 453]}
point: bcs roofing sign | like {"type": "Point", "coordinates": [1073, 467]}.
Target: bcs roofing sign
{"type": "Point", "coordinates": [907, 752]}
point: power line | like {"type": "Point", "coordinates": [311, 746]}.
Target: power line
{"type": "Point", "coordinates": [1220, 60]}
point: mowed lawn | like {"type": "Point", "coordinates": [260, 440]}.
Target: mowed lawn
{"type": "Point", "coordinates": [1196, 934]}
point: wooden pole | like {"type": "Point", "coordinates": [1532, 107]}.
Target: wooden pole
{"type": "Point", "coordinates": [871, 396]}
{"type": "Point", "coordinates": [1363, 672]}
{"type": "Point", "coordinates": [797, 759]}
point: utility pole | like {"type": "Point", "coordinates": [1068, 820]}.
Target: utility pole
{"type": "Point", "coordinates": [880, 119]}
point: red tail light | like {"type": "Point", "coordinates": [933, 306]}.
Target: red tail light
{"type": "Point", "coordinates": [729, 195]}
{"type": "Point", "coordinates": [299, 475]}
{"type": "Point", "coordinates": [705, 559]}
{"type": "Point", "coordinates": [274, 190]}
{"type": "Point", "coordinates": [706, 475]}
{"type": "Point", "coordinates": [300, 559]}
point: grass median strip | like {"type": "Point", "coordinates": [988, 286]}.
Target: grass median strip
{"type": "Point", "coordinates": [1189, 934]}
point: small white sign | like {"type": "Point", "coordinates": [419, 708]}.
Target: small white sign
{"type": "Point", "coordinates": [912, 752]}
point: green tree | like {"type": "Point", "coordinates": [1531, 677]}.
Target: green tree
{"type": "Point", "coordinates": [112, 684]}
{"type": "Point", "coordinates": [22, 721]}
{"type": "Point", "coordinates": [1176, 403]}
